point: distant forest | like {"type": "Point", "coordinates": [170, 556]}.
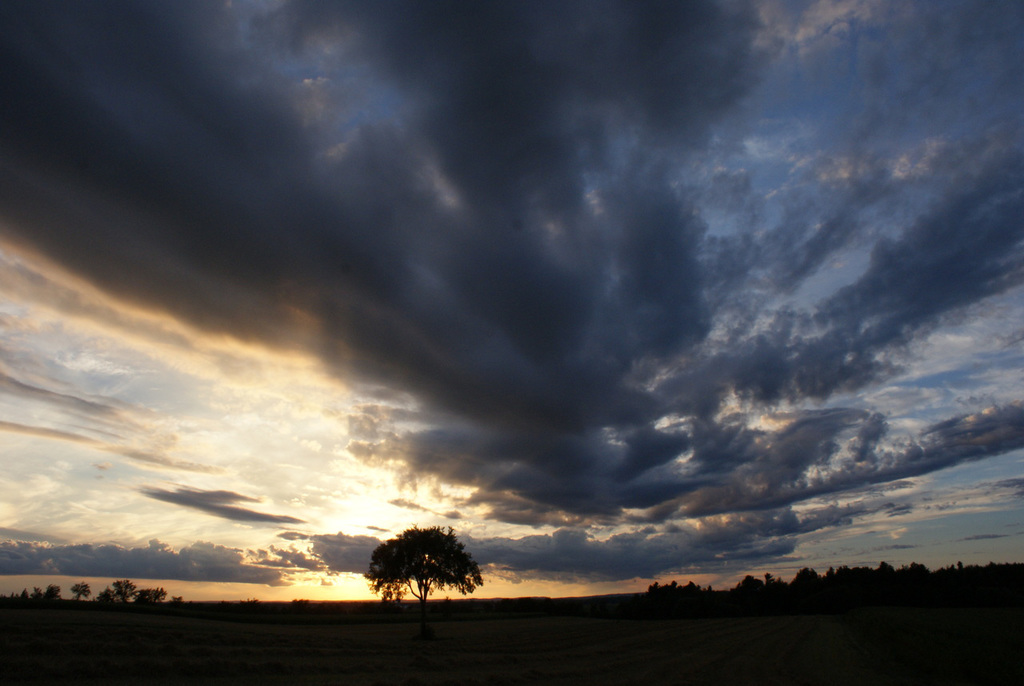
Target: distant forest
{"type": "Point", "coordinates": [835, 592]}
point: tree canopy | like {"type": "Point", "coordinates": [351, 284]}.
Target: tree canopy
{"type": "Point", "coordinates": [419, 561]}
{"type": "Point", "coordinates": [124, 590]}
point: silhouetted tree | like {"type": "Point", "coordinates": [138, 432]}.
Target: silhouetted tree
{"type": "Point", "coordinates": [106, 596]}
{"type": "Point", "coordinates": [52, 592]}
{"type": "Point", "coordinates": [124, 590]}
{"type": "Point", "coordinates": [150, 595]}
{"type": "Point", "coordinates": [748, 595]}
{"type": "Point", "coordinates": [37, 593]}
{"type": "Point", "coordinates": [751, 584]}
{"type": "Point", "coordinates": [806, 581]}
{"type": "Point", "coordinates": [81, 590]}
{"type": "Point", "coordinates": [421, 561]}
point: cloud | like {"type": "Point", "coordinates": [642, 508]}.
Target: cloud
{"type": "Point", "coordinates": [200, 561]}
{"type": "Point", "coordinates": [387, 313]}
{"type": "Point", "coordinates": [729, 466]}
{"type": "Point", "coordinates": [287, 559]}
{"type": "Point", "coordinates": [341, 552]}
{"type": "Point", "coordinates": [218, 504]}
{"type": "Point", "coordinates": [47, 286]}
{"type": "Point", "coordinates": [154, 458]}
{"type": "Point", "coordinates": [410, 505]}
{"type": "Point", "coordinates": [44, 432]}
{"type": "Point", "coordinates": [714, 542]}
{"type": "Point", "coordinates": [407, 504]}
{"type": "Point", "coordinates": [984, 537]}
{"type": "Point", "coordinates": [531, 232]}
{"type": "Point", "coordinates": [809, 459]}
{"type": "Point", "coordinates": [994, 431]}
{"type": "Point", "coordinates": [73, 404]}
{"type": "Point", "coordinates": [1015, 485]}
{"type": "Point", "coordinates": [895, 546]}
{"type": "Point", "coordinates": [29, 536]}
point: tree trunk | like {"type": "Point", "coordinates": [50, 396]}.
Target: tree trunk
{"type": "Point", "coordinates": [423, 616]}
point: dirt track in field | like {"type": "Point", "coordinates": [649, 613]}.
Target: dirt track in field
{"type": "Point", "coordinates": [45, 646]}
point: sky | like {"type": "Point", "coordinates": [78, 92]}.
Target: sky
{"type": "Point", "coordinates": [620, 291]}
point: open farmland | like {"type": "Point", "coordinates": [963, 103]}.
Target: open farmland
{"type": "Point", "coordinates": [870, 646]}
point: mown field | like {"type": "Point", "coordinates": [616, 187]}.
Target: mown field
{"type": "Point", "coordinates": [869, 646]}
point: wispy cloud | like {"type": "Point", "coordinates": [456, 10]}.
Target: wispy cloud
{"type": "Point", "coordinates": [147, 457]}
{"type": "Point", "coordinates": [218, 503]}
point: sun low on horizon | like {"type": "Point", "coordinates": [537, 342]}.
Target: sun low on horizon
{"type": "Point", "coordinates": [621, 292]}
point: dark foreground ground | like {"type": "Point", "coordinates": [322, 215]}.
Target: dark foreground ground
{"type": "Point", "coordinates": [868, 646]}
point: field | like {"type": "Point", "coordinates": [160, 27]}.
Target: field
{"type": "Point", "coordinates": [869, 646]}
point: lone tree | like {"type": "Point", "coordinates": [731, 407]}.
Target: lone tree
{"type": "Point", "coordinates": [421, 561]}
{"type": "Point", "coordinates": [81, 590]}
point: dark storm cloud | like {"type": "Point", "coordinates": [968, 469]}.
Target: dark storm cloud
{"type": "Point", "coordinates": [729, 467]}
{"type": "Point", "coordinates": [772, 470]}
{"type": "Point", "coordinates": [754, 469]}
{"type": "Point", "coordinates": [230, 209]}
{"type": "Point", "coordinates": [995, 431]}
{"type": "Point", "coordinates": [539, 477]}
{"type": "Point", "coordinates": [650, 552]}
{"type": "Point", "coordinates": [200, 561]}
{"type": "Point", "coordinates": [218, 504]}
{"type": "Point", "coordinates": [962, 248]}
{"type": "Point", "coordinates": [517, 99]}
{"type": "Point", "coordinates": [501, 210]}
{"type": "Point", "coordinates": [964, 54]}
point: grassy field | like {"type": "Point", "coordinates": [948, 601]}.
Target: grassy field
{"type": "Point", "coordinates": [869, 646]}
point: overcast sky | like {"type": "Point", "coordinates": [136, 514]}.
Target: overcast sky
{"type": "Point", "coordinates": [621, 291]}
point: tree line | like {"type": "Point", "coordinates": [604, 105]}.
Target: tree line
{"type": "Point", "coordinates": [835, 592]}
{"type": "Point", "coordinates": [119, 591]}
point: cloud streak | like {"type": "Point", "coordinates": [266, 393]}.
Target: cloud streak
{"type": "Point", "coordinates": [146, 457]}
{"type": "Point", "coordinates": [218, 504]}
